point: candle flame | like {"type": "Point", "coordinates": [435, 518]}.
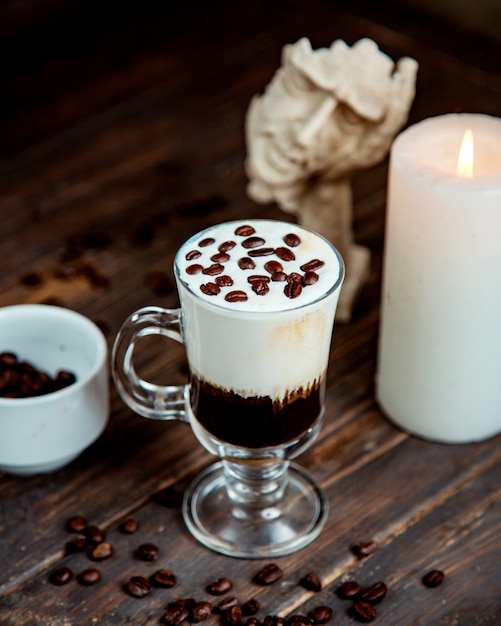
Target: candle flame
{"type": "Point", "coordinates": [465, 158]}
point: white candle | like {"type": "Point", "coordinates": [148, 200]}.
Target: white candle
{"type": "Point", "coordinates": [439, 361]}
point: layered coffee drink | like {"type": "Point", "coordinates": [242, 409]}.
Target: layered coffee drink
{"type": "Point", "coordinates": [258, 303]}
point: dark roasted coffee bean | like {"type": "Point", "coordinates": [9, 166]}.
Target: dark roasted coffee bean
{"type": "Point", "coordinates": [8, 359]}
{"type": "Point", "coordinates": [129, 526]}
{"type": "Point", "coordinates": [279, 277]}
{"type": "Point", "coordinates": [200, 611]}
{"type": "Point", "coordinates": [274, 620]}
{"type": "Point", "coordinates": [220, 586]}
{"type": "Point", "coordinates": [246, 264]}
{"type": "Point", "coordinates": [253, 242]}
{"type": "Point", "coordinates": [213, 270]}
{"type": "Point", "coordinates": [227, 603]}
{"type": "Point", "coordinates": [311, 582]}
{"type": "Point", "coordinates": [321, 614]}
{"type": "Point", "coordinates": [256, 252]}
{"type": "Point", "coordinates": [176, 613]}
{"type": "Point", "coordinates": [433, 578]}
{"type": "Point", "coordinates": [312, 265]}
{"type": "Point", "coordinates": [299, 620]}
{"type": "Point", "coordinates": [251, 607]}
{"type": "Point", "coordinates": [224, 281]}
{"type": "Point", "coordinates": [138, 586]}
{"type": "Point", "coordinates": [363, 611]}
{"type": "Point", "coordinates": [210, 289]}
{"type": "Point", "coordinates": [268, 574]}
{"type": "Point", "coordinates": [61, 576]}
{"type": "Point", "coordinates": [194, 268]}
{"type": "Point", "coordinates": [244, 230]}
{"type": "Point", "coordinates": [375, 593]}
{"type": "Point", "coordinates": [77, 544]}
{"type": "Point", "coordinates": [226, 246]}
{"type": "Point", "coordinates": [76, 524]}
{"type": "Point", "coordinates": [101, 552]}
{"type": "Point", "coordinates": [94, 534]}
{"type": "Point", "coordinates": [233, 615]}
{"type": "Point", "coordinates": [258, 278]}
{"type": "Point", "coordinates": [285, 254]}
{"type": "Point", "coordinates": [261, 288]}
{"type": "Point", "coordinates": [273, 266]}
{"type": "Point", "coordinates": [348, 590]}
{"type": "Point", "coordinates": [208, 241]}
{"type": "Point", "coordinates": [31, 279]}
{"type": "Point", "coordinates": [364, 548]}
{"type": "Point", "coordinates": [252, 621]}
{"type": "Point", "coordinates": [163, 578]}
{"type": "Point", "coordinates": [220, 257]}
{"type": "Point", "coordinates": [310, 278]}
{"type": "Point", "coordinates": [293, 289]}
{"type": "Point", "coordinates": [64, 379]}
{"type": "Point", "coordinates": [147, 552]}
{"type": "Point", "coordinates": [292, 240]}
{"type": "Point", "coordinates": [236, 296]}
{"type": "Point", "coordinates": [192, 255]}
{"type": "Point", "coordinates": [89, 576]}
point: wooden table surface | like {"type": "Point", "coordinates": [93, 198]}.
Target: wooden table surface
{"type": "Point", "coordinates": [122, 134]}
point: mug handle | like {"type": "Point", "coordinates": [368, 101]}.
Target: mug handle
{"type": "Point", "coordinates": [149, 400]}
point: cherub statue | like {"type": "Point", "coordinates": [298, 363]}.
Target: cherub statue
{"type": "Point", "coordinates": [325, 115]}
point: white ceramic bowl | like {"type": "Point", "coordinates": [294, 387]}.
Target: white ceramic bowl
{"type": "Point", "coordinates": [43, 433]}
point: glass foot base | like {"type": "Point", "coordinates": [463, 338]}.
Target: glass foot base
{"type": "Point", "coordinates": [254, 532]}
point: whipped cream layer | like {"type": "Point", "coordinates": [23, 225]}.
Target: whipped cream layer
{"type": "Point", "coordinates": [267, 345]}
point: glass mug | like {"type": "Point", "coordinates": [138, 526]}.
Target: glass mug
{"type": "Point", "coordinates": [258, 301]}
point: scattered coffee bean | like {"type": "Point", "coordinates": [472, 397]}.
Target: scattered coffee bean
{"type": "Point", "coordinates": [375, 593]}
{"type": "Point", "coordinates": [76, 524]}
{"type": "Point", "coordinates": [311, 582]}
{"type": "Point", "coordinates": [200, 611]}
{"type": "Point", "coordinates": [224, 281]}
{"type": "Point", "coordinates": [253, 242]}
{"type": "Point", "coordinates": [285, 254]}
{"type": "Point", "coordinates": [261, 288]}
{"type": "Point", "coordinates": [138, 586]}
{"type": "Point", "coordinates": [129, 526]}
{"type": "Point", "coordinates": [257, 252]}
{"type": "Point", "coordinates": [192, 255]}
{"type": "Point", "coordinates": [77, 544]}
{"type": "Point", "coordinates": [299, 620]}
{"type": "Point", "coordinates": [94, 534]}
{"type": "Point", "coordinates": [176, 613]}
{"type": "Point", "coordinates": [245, 230]}
{"type": "Point", "coordinates": [258, 278]}
{"type": "Point", "coordinates": [89, 576]}
{"type": "Point", "coordinates": [213, 270]}
{"type": "Point", "coordinates": [321, 614]}
{"type": "Point", "coordinates": [348, 590]}
{"type": "Point", "coordinates": [206, 242]}
{"type": "Point", "coordinates": [227, 603]}
{"type": "Point", "coordinates": [236, 296]}
{"type": "Point", "coordinates": [273, 266]}
{"type": "Point", "coordinates": [226, 246]}
{"type": "Point", "coordinates": [220, 257]}
{"type": "Point", "coordinates": [252, 621]}
{"type": "Point", "coordinates": [293, 289]}
{"type": "Point", "coordinates": [279, 277]}
{"type": "Point", "coordinates": [312, 265]}
{"type": "Point", "coordinates": [220, 586]}
{"type": "Point", "coordinates": [246, 264]}
{"type": "Point", "coordinates": [147, 552]}
{"type": "Point", "coordinates": [273, 620]}
{"type": "Point", "coordinates": [194, 268]}
{"type": "Point", "coordinates": [363, 611]}
{"type": "Point", "coordinates": [61, 576]}
{"type": "Point", "coordinates": [433, 578]}
{"type": "Point", "coordinates": [210, 289]}
{"type": "Point", "coordinates": [292, 240]}
{"type": "Point", "coordinates": [364, 548]}
{"type": "Point", "coordinates": [163, 578]}
{"type": "Point", "coordinates": [268, 575]}
{"type": "Point", "coordinates": [233, 615]}
{"type": "Point", "coordinates": [310, 278]}
{"type": "Point", "coordinates": [101, 552]}
{"type": "Point", "coordinates": [251, 607]}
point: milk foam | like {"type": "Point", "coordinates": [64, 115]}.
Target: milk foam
{"type": "Point", "coordinates": [269, 345]}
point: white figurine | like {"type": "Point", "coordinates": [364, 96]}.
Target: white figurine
{"type": "Point", "coordinates": [325, 115]}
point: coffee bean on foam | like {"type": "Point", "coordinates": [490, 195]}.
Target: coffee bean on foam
{"type": "Point", "coordinates": [284, 253]}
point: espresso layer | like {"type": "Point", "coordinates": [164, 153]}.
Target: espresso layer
{"type": "Point", "coordinates": [258, 421]}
